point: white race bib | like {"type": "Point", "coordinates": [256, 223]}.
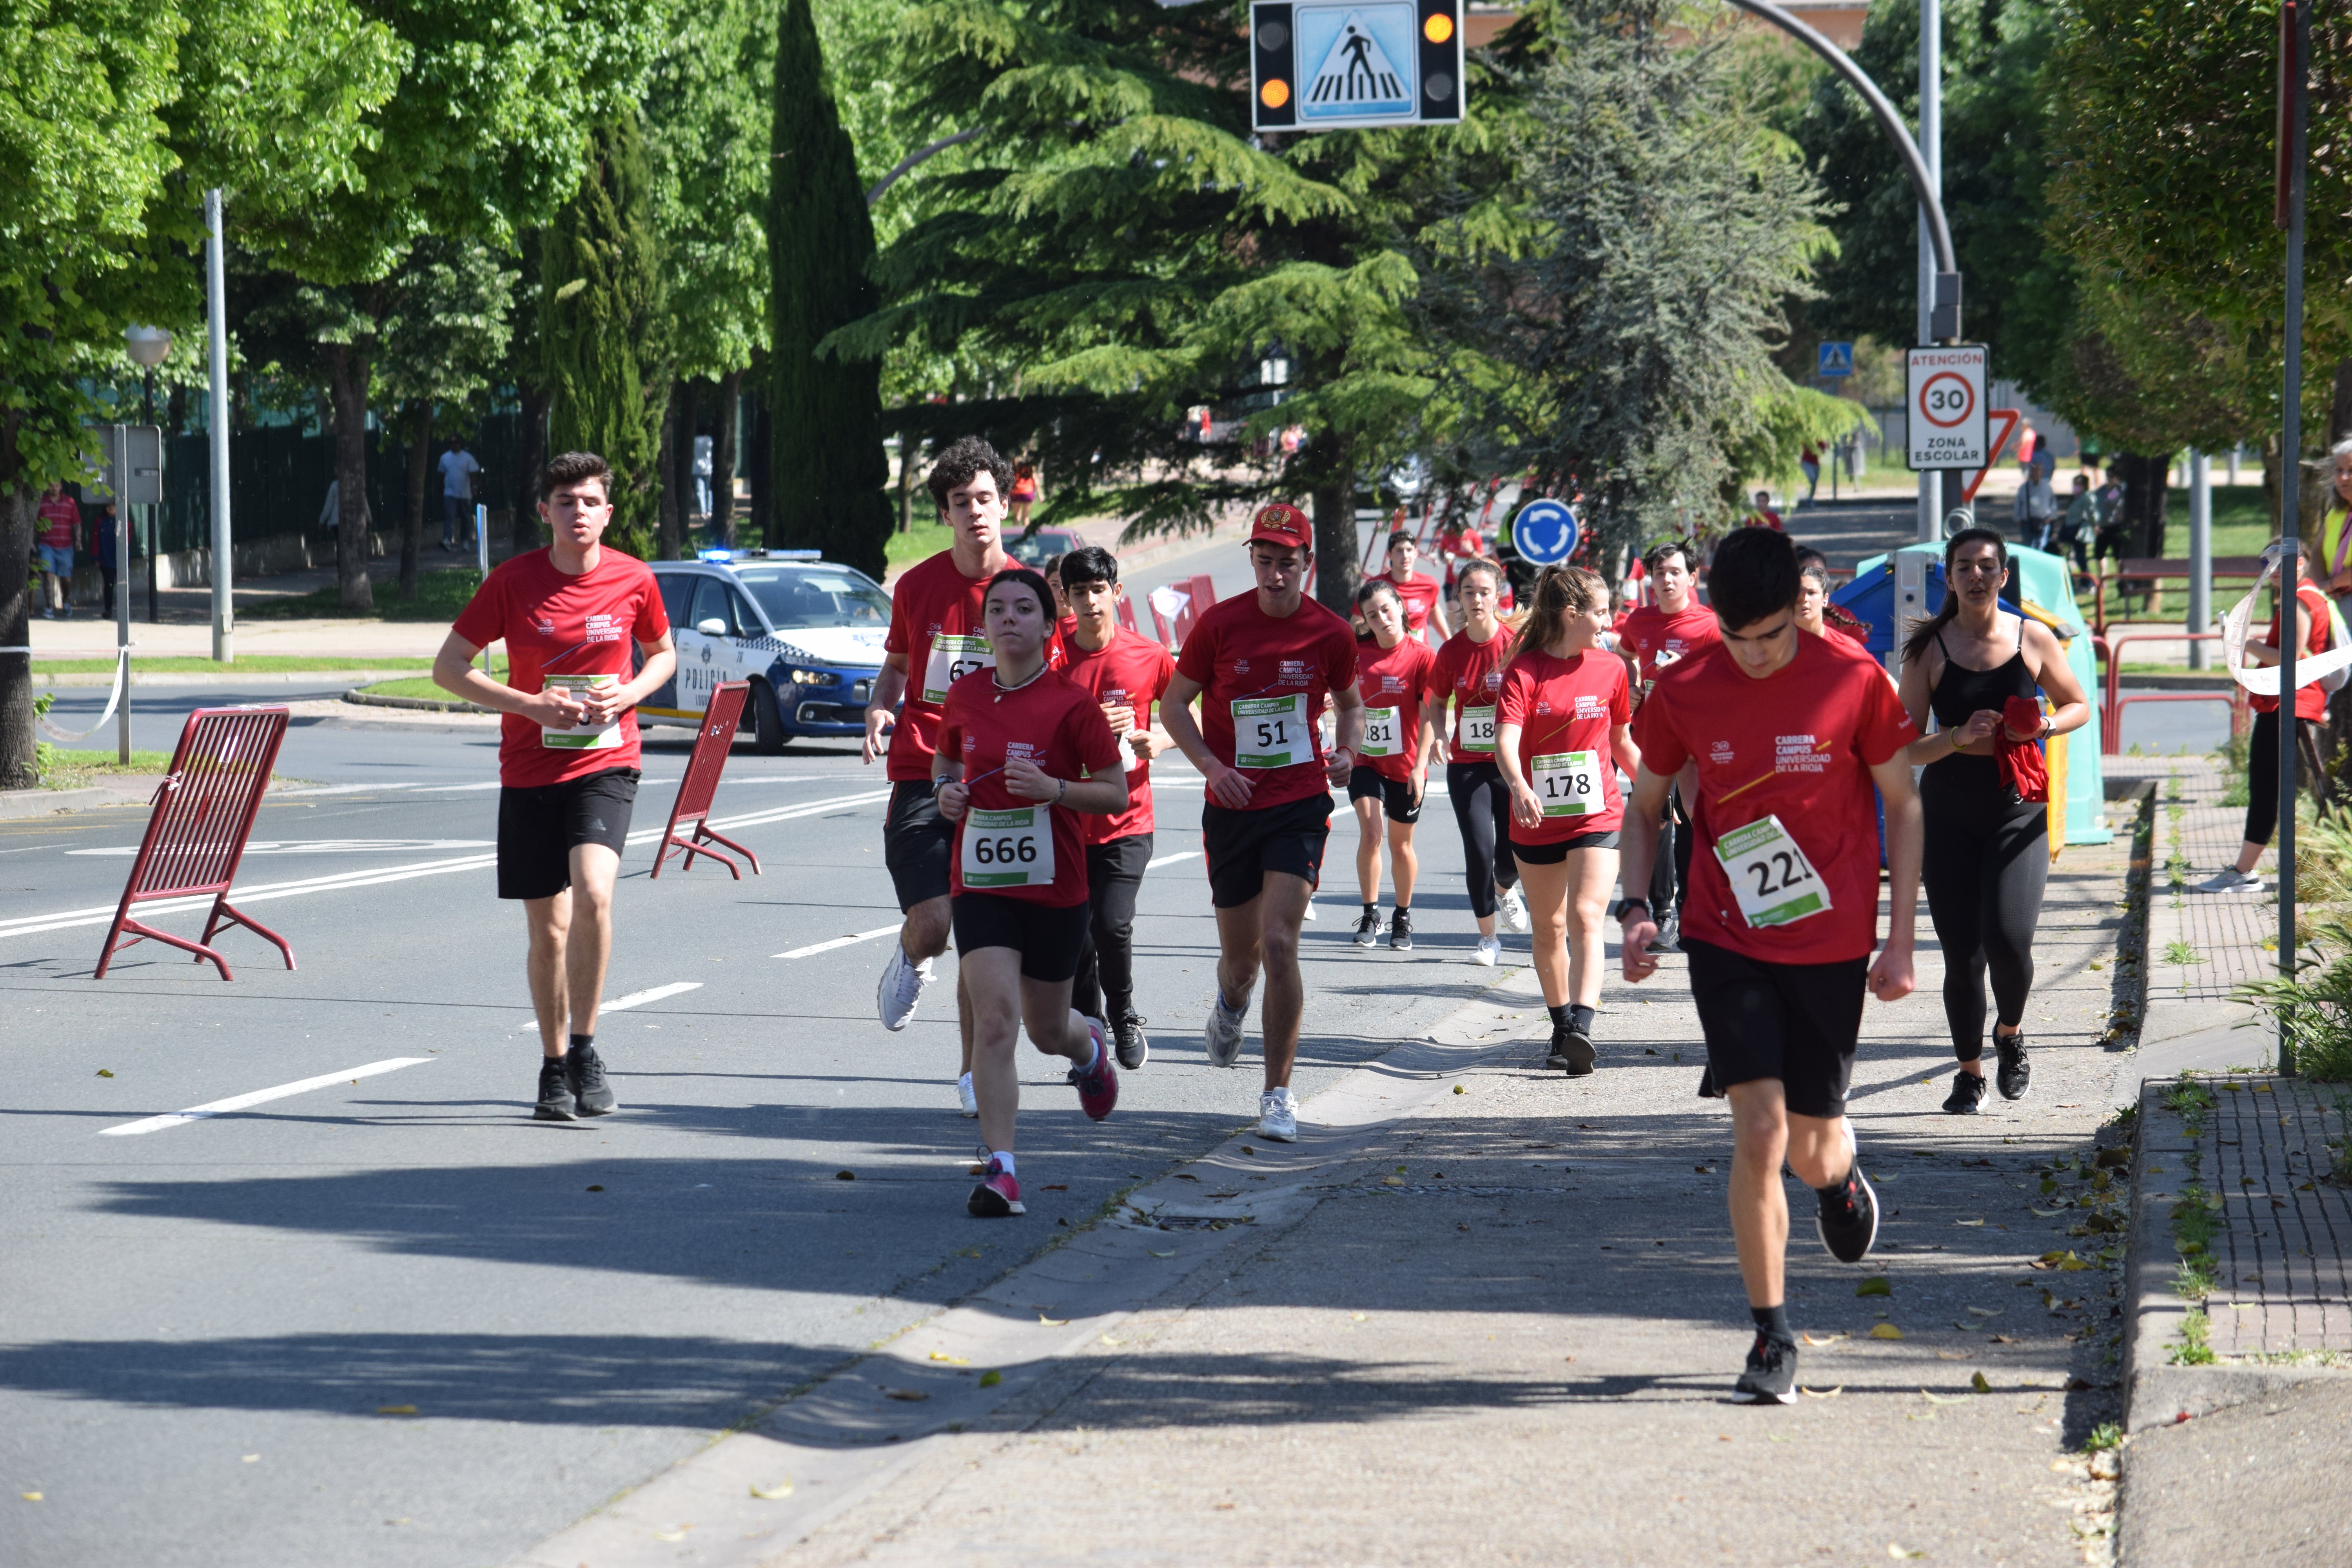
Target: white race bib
{"type": "Point", "coordinates": [1770, 878]}
{"type": "Point", "coordinates": [584, 737]}
{"type": "Point", "coordinates": [1008, 849]}
{"type": "Point", "coordinates": [1478, 729]}
{"type": "Point", "coordinates": [1272, 732]}
{"type": "Point", "coordinates": [1380, 737]}
{"type": "Point", "coordinates": [952, 659]}
{"type": "Point", "coordinates": [1568, 783]}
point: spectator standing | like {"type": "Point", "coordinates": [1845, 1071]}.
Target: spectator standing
{"type": "Point", "coordinates": [1022, 497]}
{"type": "Point", "coordinates": [1810, 461]}
{"type": "Point", "coordinates": [1764, 516]}
{"type": "Point", "coordinates": [105, 542]}
{"type": "Point", "coordinates": [457, 471]}
{"type": "Point", "coordinates": [2081, 524]}
{"type": "Point", "coordinates": [60, 518]}
{"type": "Point", "coordinates": [702, 472]}
{"type": "Point", "coordinates": [2045, 459]}
{"type": "Point", "coordinates": [2109, 541]}
{"type": "Point", "coordinates": [2336, 528]}
{"type": "Point", "coordinates": [2036, 508]}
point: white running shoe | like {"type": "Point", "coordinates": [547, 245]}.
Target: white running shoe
{"type": "Point", "coordinates": [966, 1101]}
{"type": "Point", "coordinates": [1515, 911]}
{"type": "Point", "coordinates": [901, 986]}
{"type": "Point", "coordinates": [1222, 1039]}
{"type": "Point", "coordinates": [1278, 1116]}
{"type": "Point", "coordinates": [2230, 880]}
{"type": "Point", "coordinates": [1488, 951]}
{"type": "Point", "coordinates": [1310, 909]}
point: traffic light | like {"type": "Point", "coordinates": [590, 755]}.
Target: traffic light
{"type": "Point", "coordinates": [1331, 65]}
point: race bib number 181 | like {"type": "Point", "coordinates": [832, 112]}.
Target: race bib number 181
{"type": "Point", "coordinates": [1770, 878]}
{"type": "Point", "coordinates": [1380, 737]}
{"type": "Point", "coordinates": [1478, 729]}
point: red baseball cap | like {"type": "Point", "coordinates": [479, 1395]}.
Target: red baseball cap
{"type": "Point", "coordinates": [1279, 522]}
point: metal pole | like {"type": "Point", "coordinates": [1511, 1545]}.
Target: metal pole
{"type": "Point", "coordinates": [122, 488]}
{"type": "Point", "coordinates": [2290, 501]}
{"type": "Point", "coordinates": [216, 336]}
{"type": "Point", "coordinates": [1931, 149]}
{"type": "Point", "coordinates": [2200, 552]}
{"type": "Point", "coordinates": [482, 556]}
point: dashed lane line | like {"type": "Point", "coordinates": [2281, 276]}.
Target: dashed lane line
{"type": "Point", "coordinates": [817, 947]}
{"type": "Point", "coordinates": [639, 998]}
{"type": "Point", "coordinates": [259, 1097]}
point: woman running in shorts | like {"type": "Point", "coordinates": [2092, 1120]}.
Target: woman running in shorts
{"type": "Point", "coordinates": [1392, 774]}
{"type": "Point", "coordinates": [1564, 729]}
{"type": "Point", "coordinates": [1988, 850]}
{"type": "Point", "coordinates": [1023, 749]}
{"type": "Point", "coordinates": [1468, 672]}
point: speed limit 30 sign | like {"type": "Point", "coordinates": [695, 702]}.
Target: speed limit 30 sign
{"type": "Point", "coordinates": [1946, 407]}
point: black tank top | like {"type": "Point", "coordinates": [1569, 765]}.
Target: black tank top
{"type": "Point", "coordinates": [1962, 691]}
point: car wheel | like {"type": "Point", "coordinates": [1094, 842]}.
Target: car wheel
{"type": "Point", "coordinates": [768, 736]}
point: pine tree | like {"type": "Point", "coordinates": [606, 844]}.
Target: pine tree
{"type": "Point", "coordinates": [828, 470]}
{"type": "Point", "coordinates": [604, 330]}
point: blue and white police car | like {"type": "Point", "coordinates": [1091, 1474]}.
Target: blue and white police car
{"type": "Point", "coordinates": [807, 635]}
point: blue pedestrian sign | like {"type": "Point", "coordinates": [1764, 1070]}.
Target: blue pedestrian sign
{"type": "Point", "coordinates": [1544, 533]}
{"type": "Point", "coordinates": [1834, 359]}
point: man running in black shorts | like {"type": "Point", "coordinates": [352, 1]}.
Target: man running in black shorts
{"type": "Point", "coordinates": [1789, 734]}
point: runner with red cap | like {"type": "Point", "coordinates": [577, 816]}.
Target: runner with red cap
{"type": "Point", "coordinates": [1023, 751]}
{"type": "Point", "coordinates": [1261, 664]}
{"type": "Point", "coordinates": [1653, 638]}
{"type": "Point", "coordinates": [1393, 777]}
{"type": "Point", "coordinates": [1789, 734]}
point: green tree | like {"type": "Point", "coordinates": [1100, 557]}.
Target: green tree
{"type": "Point", "coordinates": [604, 328]}
{"type": "Point", "coordinates": [448, 321]}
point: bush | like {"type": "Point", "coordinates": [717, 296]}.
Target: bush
{"type": "Point", "coordinates": [2314, 1009]}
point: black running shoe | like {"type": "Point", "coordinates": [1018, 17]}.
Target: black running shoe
{"type": "Point", "coordinates": [1771, 1375]}
{"type": "Point", "coordinates": [2014, 1071]}
{"type": "Point", "coordinates": [1706, 1087]}
{"type": "Point", "coordinates": [1368, 929]}
{"type": "Point", "coordinates": [1968, 1092]}
{"type": "Point", "coordinates": [556, 1102]}
{"type": "Point", "coordinates": [1571, 1051]}
{"type": "Point", "coordinates": [1669, 937]}
{"type": "Point", "coordinates": [1134, 1047]}
{"type": "Point", "coordinates": [1848, 1220]}
{"type": "Point", "coordinates": [1400, 931]}
{"type": "Point", "coordinates": [585, 1070]}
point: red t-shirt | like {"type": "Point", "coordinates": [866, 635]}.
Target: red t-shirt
{"type": "Point", "coordinates": [1470, 673]}
{"type": "Point", "coordinates": [1767, 518]}
{"type": "Point", "coordinates": [935, 621]}
{"type": "Point", "coordinates": [1394, 678]}
{"type": "Point", "coordinates": [1799, 745]}
{"type": "Point", "coordinates": [1130, 670]}
{"type": "Point", "coordinates": [1419, 594]}
{"type": "Point", "coordinates": [1281, 670]}
{"type": "Point", "coordinates": [2310, 701]}
{"type": "Point", "coordinates": [1648, 631]}
{"type": "Point", "coordinates": [569, 628]}
{"type": "Point", "coordinates": [1564, 706]}
{"type": "Point", "coordinates": [1055, 722]}
{"type": "Point", "coordinates": [60, 518]}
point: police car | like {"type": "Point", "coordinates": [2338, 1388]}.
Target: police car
{"type": "Point", "coordinates": [807, 635]}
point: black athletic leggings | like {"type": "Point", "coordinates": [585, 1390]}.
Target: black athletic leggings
{"type": "Point", "coordinates": [1481, 803]}
{"type": "Point", "coordinates": [1988, 856]}
{"type": "Point", "coordinates": [1104, 986]}
{"type": "Point", "coordinates": [2261, 775]}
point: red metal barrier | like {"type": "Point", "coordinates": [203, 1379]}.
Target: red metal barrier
{"type": "Point", "coordinates": [2112, 700]}
{"type": "Point", "coordinates": [195, 838]}
{"type": "Point", "coordinates": [1127, 613]}
{"type": "Point", "coordinates": [701, 782]}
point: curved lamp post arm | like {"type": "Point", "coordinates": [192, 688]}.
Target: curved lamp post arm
{"type": "Point", "coordinates": [907, 163]}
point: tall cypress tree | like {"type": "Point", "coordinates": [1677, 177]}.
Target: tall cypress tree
{"type": "Point", "coordinates": [604, 330]}
{"type": "Point", "coordinates": [827, 470]}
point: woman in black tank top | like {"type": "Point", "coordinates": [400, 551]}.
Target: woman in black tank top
{"type": "Point", "coordinates": [1988, 852]}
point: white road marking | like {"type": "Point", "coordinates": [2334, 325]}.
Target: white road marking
{"type": "Point", "coordinates": [1153, 865]}
{"type": "Point", "coordinates": [328, 847]}
{"type": "Point", "coordinates": [240, 1102]}
{"type": "Point", "coordinates": [837, 942]}
{"type": "Point", "coordinates": [639, 998]}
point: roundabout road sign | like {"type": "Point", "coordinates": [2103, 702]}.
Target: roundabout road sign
{"type": "Point", "coordinates": [1544, 533]}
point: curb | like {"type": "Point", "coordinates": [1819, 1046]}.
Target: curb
{"type": "Point", "coordinates": [23, 802]}
{"type": "Point", "coordinates": [415, 704]}
{"type": "Point", "coordinates": [230, 675]}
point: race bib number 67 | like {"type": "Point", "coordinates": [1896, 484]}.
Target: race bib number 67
{"type": "Point", "coordinates": [952, 659]}
{"type": "Point", "coordinates": [1770, 878]}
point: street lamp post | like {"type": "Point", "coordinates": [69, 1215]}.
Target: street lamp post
{"type": "Point", "coordinates": [148, 347]}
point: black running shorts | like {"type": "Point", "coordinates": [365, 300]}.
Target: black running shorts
{"type": "Point", "coordinates": [1553, 854]}
{"type": "Point", "coordinates": [1395, 795]}
{"type": "Point", "coordinates": [1242, 847]}
{"type": "Point", "coordinates": [1795, 1022]}
{"type": "Point", "coordinates": [918, 843]}
{"type": "Point", "coordinates": [539, 827]}
{"type": "Point", "coordinates": [1048, 938]}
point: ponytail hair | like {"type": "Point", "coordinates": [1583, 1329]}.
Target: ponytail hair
{"type": "Point", "coordinates": [1924, 632]}
{"type": "Point", "coordinates": [1559, 593]}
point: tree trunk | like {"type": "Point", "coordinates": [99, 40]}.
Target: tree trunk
{"type": "Point", "coordinates": [907, 448]}
{"type": "Point", "coordinates": [2143, 501]}
{"type": "Point", "coordinates": [763, 504]}
{"type": "Point", "coordinates": [530, 457]}
{"type": "Point", "coordinates": [2339, 413]}
{"type": "Point", "coordinates": [420, 470]}
{"type": "Point", "coordinates": [1331, 477]}
{"type": "Point", "coordinates": [726, 450]}
{"type": "Point", "coordinates": [19, 766]}
{"type": "Point", "coordinates": [667, 528]}
{"type": "Point", "coordinates": [686, 410]}
{"type": "Point", "coordinates": [347, 384]}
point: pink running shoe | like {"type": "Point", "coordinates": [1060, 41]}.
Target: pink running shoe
{"type": "Point", "coordinates": [1099, 1084]}
{"type": "Point", "coordinates": [998, 1193]}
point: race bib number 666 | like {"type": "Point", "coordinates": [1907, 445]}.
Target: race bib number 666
{"type": "Point", "coordinates": [1770, 878]}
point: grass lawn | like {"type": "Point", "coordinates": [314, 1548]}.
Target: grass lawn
{"type": "Point", "coordinates": [62, 769]}
{"type": "Point", "coordinates": [439, 597]}
{"type": "Point", "coordinates": [2241, 521]}
{"type": "Point", "coordinates": [924, 540]}
{"type": "Point", "coordinates": [267, 663]}
{"type": "Point", "coordinates": [423, 686]}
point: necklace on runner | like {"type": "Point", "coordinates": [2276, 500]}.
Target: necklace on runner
{"type": "Point", "coordinates": [1002, 689]}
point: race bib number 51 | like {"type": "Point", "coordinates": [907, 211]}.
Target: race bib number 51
{"type": "Point", "coordinates": [952, 659]}
{"type": "Point", "coordinates": [1008, 849]}
{"type": "Point", "coordinates": [1770, 878]}
{"type": "Point", "coordinates": [1272, 733]}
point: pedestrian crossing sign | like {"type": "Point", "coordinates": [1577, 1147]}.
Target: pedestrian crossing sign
{"type": "Point", "coordinates": [1336, 65]}
{"type": "Point", "coordinates": [1834, 359]}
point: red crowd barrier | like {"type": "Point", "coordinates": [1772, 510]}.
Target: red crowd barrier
{"type": "Point", "coordinates": [195, 838]}
{"type": "Point", "coordinates": [1127, 613]}
{"type": "Point", "coordinates": [692, 806]}
{"type": "Point", "coordinates": [2114, 700]}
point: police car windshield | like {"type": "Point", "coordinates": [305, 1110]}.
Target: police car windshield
{"type": "Point", "coordinates": [797, 597]}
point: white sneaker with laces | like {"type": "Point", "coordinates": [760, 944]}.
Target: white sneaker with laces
{"type": "Point", "coordinates": [1488, 951]}
{"type": "Point", "coordinates": [900, 987]}
{"type": "Point", "coordinates": [1222, 1039]}
{"type": "Point", "coordinates": [1278, 1116]}
{"type": "Point", "coordinates": [966, 1101]}
{"type": "Point", "coordinates": [2230, 880]}
{"type": "Point", "coordinates": [1515, 911]}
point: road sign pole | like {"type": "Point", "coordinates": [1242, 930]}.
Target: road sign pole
{"type": "Point", "coordinates": [2296, 49]}
{"type": "Point", "coordinates": [217, 344]}
{"type": "Point", "coordinates": [120, 483]}
{"type": "Point", "coordinates": [1931, 152]}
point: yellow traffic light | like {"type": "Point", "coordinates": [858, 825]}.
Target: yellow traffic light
{"type": "Point", "coordinates": [1275, 93]}
{"type": "Point", "coordinates": [1438, 27]}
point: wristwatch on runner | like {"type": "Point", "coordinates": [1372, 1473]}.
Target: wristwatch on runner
{"type": "Point", "coordinates": [1625, 908]}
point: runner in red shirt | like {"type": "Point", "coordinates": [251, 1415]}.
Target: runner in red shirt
{"type": "Point", "coordinates": [1261, 664]}
{"type": "Point", "coordinates": [1764, 516]}
{"type": "Point", "coordinates": [1672, 627]}
{"type": "Point", "coordinates": [1392, 672]}
{"type": "Point", "coordinates": [568, 754]}
{"type": "Point", "coordinates": [1468, 673]}
{"type": "Point", "coordinates": [1023, 751]}
{"type": "Point", "coordinates": [1422, 597]}
{"type": "Point", "coordinates": [60, 518]}
{"type": "Point", "coordinates": [2314, 621]}
{"type": "Point", "coordinates": [1788, 736]}
{"type": "Point", "coordinates": [1126, 673]}
{"type": "Point", "coordinates": [1562, 736]}
{"type": "Point", "coordinates": [935, 639]}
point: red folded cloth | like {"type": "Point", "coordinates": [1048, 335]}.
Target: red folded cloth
{"type": "Point", "coordinates": [2021, 760]}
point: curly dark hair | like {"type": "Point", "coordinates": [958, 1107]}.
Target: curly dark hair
{"type": "Point", "coordinates": [571, 468]}
{"type": "Point", "coordinates": [964, 460]}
